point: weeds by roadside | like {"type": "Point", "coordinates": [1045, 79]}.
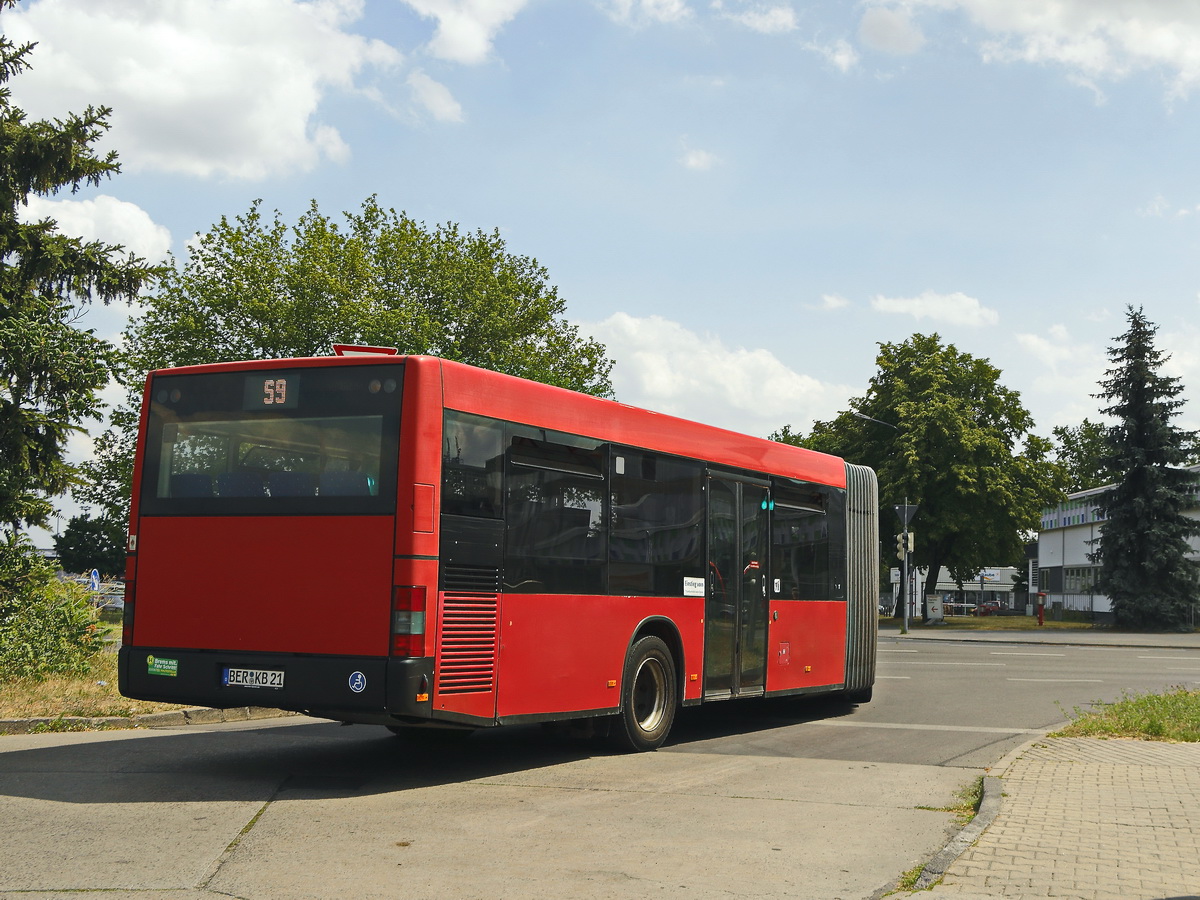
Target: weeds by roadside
{"type": "Point", "coordinates": [968, 797]}
{"type": "Point", "coordinates": [93, 695]}
{"type": "Point", "coordinates": [1171, 716]}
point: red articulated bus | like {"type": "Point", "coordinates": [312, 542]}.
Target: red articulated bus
{"type": "Point", "coordinates": [408, 541]}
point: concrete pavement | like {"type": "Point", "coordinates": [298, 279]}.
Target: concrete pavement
{"type": "Point", "coordinates": [1063, 818]}
{"type": "Point", "coordinates": [1079, 818]}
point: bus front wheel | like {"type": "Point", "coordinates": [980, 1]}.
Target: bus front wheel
{"type": "Point", "coordinates": [649, 697]}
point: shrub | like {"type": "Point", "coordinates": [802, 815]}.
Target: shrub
{"type": "Point", "coordinates": [46, 626]}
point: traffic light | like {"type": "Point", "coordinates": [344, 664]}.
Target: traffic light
{"type": "Point", "coordinates": [904, 544]}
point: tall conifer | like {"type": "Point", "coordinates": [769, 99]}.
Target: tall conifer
{"type": "Point", "coordinates": [50, 369]}
{"type": "Point", "coordinates": [1143, 544]}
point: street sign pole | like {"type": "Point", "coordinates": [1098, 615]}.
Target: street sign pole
{"type": "Point", "coordinates": [905, 514]}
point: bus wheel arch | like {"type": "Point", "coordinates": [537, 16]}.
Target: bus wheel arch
{"type": "Point", "coordinates": [650, 692]}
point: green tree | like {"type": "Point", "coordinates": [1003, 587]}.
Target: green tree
{"type": "Point", "coordinates": [50, 370]}
{"type": "Point", "coordinates": [92, 543]}
{"type": "Point", "coordinates": [1081, 451]}
{"type": "Point", "coordinates": [254, 288]}
{"type": "Point", "coordinates": [949, 437]}
{"type": "Point", "coordinates": [46, 626]}
{"type": "Point", "coordinates": [1143, 549]}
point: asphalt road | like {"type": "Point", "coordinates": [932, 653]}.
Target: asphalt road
{"type": "Point", "coordinates": [759, 799]}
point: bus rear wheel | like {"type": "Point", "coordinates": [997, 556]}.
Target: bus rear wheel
{"type": "Point", "coordinates": [649, 697]}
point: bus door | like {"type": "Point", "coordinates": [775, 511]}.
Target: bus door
{"type": "Point", "coordinates": [735, 618]}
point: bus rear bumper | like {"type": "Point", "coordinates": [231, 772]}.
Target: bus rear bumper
{"type": "Point", "coordinates": [348, 688]}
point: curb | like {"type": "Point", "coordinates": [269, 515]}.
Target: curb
{"type": "Point", "coordinates": [989, 808]}
{"type": "Point", "coordinates": [193, 716]}
{"type": "Point", "coordinates": [1044, 641]}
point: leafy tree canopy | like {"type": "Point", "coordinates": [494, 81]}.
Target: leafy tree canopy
{"type": "Point", "coordinates": [257, 288]}
{"type": "Point", "coordinates": [952, 439]}
{"type": "Point", "coordinates": [1081, 451]}
{"type": "Point", "coordinates": [1143, 551]}
{"type": "Point", "coordinates": [50, 370]}
{"type": "Point", "coordinates": [92, 543]}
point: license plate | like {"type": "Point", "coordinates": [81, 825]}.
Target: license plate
{"type": "Point", "coordinates": [253, 678]}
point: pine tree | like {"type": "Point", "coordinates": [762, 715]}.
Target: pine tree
{"type": "Point", "coordinates": [1143, 544]}
{"type": "Point", "coordinates": [50, 370]}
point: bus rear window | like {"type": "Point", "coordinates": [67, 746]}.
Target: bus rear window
{"type": "Point", "coordinates": [282, 442]}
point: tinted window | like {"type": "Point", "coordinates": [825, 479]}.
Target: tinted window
{"type": "Point", "coordinates": [657, 523]}
{"type": "Point", "coordinates": [555, 536]}
{"type": "Point", "coordinates": [287, 441]}
{"type": "Point", "coordinates": [472, 465]}
{"type": "Point", "coordinates": [807, 542]}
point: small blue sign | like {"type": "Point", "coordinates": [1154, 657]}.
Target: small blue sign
{"type": "Point", "coordinates": [358, 682]}
{"type": "Point", "coordinates": [94, 580]}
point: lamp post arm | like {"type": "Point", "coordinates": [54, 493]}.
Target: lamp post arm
{"type": "Point", "coordinates": [859, 415]}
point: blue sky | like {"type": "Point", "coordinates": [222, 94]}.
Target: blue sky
{"type": "Point", "coordinates": [740, 199]}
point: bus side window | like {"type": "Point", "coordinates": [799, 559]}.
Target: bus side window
{"type": "Point", "coordinates": [472, 465]}
{"type": "Point", "coordinates": [555, 528]}
{"type": "Point", "coordinates": [657, 523]}
{"type": "Point", "coordinates": [807, 542]}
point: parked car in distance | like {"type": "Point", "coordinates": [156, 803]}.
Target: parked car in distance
{"type": "Point", "coordinates": [988, 608]}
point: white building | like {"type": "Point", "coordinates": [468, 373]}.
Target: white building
{"type": "Point", "coordinates": [994, 584]}
{"type": "Point", "coordinates": [1069, 533]}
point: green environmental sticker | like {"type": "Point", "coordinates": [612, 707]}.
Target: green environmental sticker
{"type": "Point", "coordinates": [158, 665]}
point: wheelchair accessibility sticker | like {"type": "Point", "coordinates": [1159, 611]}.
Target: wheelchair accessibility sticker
{"type": "Point", "coordinates": [358, 682]}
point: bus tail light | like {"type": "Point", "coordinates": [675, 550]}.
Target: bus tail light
{"type": "Point", "coordinates": [408, 621]}
{"type": "Point", "coordinates": [127, 614]}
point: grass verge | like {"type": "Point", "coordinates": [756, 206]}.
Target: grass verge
{"type": "Point", "coordinates": [1171, 716]}
{"type": "Point", "coordinates": [92, 695]}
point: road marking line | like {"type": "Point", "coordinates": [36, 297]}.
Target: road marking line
{"type": "Point", "coordinates": [1188, 658]}
{"type": "Point", "coordinates": [890, 650]}
{"type": "Point", "coordinates": [1062, 680]}
{"type": "Point", "coordinates": [984, 729]}
{"type": "Point", "coordinates": [895, 677]}
{"type": "Point", "coordinates": [923, 663]}
{"type": "Point", "coordinates": [1011, 653]}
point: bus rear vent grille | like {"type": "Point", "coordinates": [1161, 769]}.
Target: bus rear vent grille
{"type": "Point", "coordinates": [485, 579]}
{"type": "Point", "coordinates": [467, 643]}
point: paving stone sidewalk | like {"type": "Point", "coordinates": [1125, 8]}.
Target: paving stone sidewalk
{"type": "Point", "coordinates": [1088, 819]}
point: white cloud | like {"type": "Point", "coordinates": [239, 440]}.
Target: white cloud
{"type": "Point", "coordinates": [1064, 372]}
{"type": "Point", "coordinates": [106, 219]}
{"type": "Point", "coordinates": [636, 12]}
{"type": "Point", "coordinates": [1156, 208]}
{"type": "Point", "coordinates": [466, 28]}
{"type": "Point", "coordinates": [952, 309]}
{"type": "Point", "coordinates": [1093, 39]}
{"type": "Point", "coordinates": [434, 97]}
{"type": "Point", "coordinates": [698, 160]}
{"type": "Point", "coordinates": [1183, 347]}
{"type": "Point", "coordinates": [833, 301]}
{"type": "Point", "coordinates": [839, 54]}
{"type": "Point", "coordinates": [767, 19]}
{"type": "Point", "coordinates": [891, 30]}
{"type": "Point", "coordinates": [661, 365]}
{"type": "Point", "coordinates": [200, 87]}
